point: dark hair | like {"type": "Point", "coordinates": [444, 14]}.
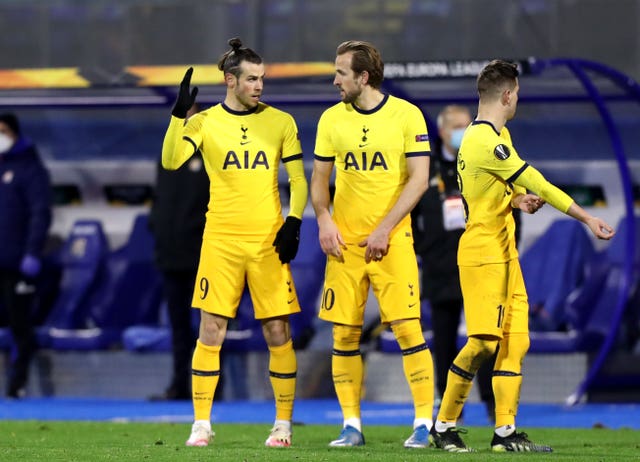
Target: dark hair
{"type": "Point", "coordinates": [365, 58]}
{"type": "Point", "coordinates": [11, 121]}
{"type": "Point", "coordinates": [495, 77]}
{"type": "Point", "coordinates": [231, 60]}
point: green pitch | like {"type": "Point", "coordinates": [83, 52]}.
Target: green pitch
{"type": "Point", "coordinates": [49, 441]}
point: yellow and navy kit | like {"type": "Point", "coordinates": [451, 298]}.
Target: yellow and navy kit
{"type": "Point", "coordinates": [490, 173]}
{"type": "Point", "coordinates": [241, 152]}
{"type": "Point", "coordinates": [369, 149]}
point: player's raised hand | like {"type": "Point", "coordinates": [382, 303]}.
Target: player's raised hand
{"type": "Point", "coordinates": [186, 97]}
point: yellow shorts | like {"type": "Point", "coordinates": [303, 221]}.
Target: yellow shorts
{"type": "Point", "coordinates": [495, 299]}
{"type": "Point", "coordinates": [224, 267]}
{"type": "Point", "coordinates": [394, 281]}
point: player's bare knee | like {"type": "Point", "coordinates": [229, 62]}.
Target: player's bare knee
{"type": "Point", "coordinates": [213, 328]}
{"type": "Point", "coordinates": [276, 331]}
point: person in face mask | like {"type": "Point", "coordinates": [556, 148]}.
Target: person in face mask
{"type": "Point", "coordinates": [25, 217]}
{"type": "Point", "coordinates": [438, 223]}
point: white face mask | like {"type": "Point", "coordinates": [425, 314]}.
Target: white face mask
{"type": "Point", "coordinates": [456, 137]}
{"type": "Point", "coordinates": [5, 143]}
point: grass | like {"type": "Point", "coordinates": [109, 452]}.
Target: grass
{"type": "Point", "coordinates": [50, 441]}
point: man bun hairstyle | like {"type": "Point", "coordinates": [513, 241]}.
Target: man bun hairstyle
{"type": "Point", "coordinates": [495, 77]}
{"type": "Point", "coordinates": [231, 60]}
{"type": "Point", "coordinates": [365, 57]}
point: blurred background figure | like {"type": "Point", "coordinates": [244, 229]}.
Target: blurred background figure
{"type": "Point", "coordinates": [438, 223]}
{"type": "Point", "coordinates": [177, 222]}
{"type": "Point", "coordinates": [25, 217]}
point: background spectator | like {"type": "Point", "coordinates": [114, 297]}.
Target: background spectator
{"type": "Point", "coordinates": [177, 222]}
{"type": "Point", "coordinates": [438, 223]}
{"type": "Point", "coordinates": [25, 217]}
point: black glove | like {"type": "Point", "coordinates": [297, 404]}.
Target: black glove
{"type": "Point", "coordinates": [287, 239]}
{"type": "Point", "coordinates": [184, 101]}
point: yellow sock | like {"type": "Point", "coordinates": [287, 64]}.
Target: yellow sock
{"type": "Point", "coordinates": [460, 376]}
{"type": "Point", "coordinates": [282, 373]}
{"type": "Point", "coordinates": [418, 366]}
{"type": "Point", "coordinates": [507, 377]}
{"type": "Point", "coordinates": [205, 373]}
{"type": "Point", "coordinates": [347, 369]}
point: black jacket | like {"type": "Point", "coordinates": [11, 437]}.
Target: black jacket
{"type": "Point", "coordinates": [437, 247]}
{"type": "Point", "coordinates": [177, 215]}
{"type": "Point", "coordinates": [25, 204]}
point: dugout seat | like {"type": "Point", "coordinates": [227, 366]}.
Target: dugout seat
{"type": "Point", "coordinates": [127, 291]}
{"type": "Point", "coordinates": [244, 333]}
{"type": "Point", "coordinates": [552, 268]}
{"type": "Point", "coordinates": [82, 259]}
{"type": "Point", "coordinates": [153, 337]}
{"type": "Point", "coordinates": [147, 339]}
{"type": "Point", "coordinates": [589, 307]}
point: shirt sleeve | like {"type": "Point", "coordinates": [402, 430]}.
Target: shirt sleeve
{"type": "Point", "coordinates": [500, 157]}
{"type": "Point", "coordinates": [291, 147]}
{"type": "Point", "coordinates": [293, 163]}
{"type": "Point", "coordinates": [179, 144]}
{"type": "Point", "coordinates": [533, 180]}
{"type": "Point", "coordinates": [416, 137]}
{"type": "Point", "coordinates": [517, 189]}
{"type": "Point", "coordinates": [324, 147]}
{"type": "Point", "coordinates": [298, 187]}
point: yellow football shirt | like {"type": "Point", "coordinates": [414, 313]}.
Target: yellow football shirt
{"type": "Point", "coordinates": [369, 149]}
{"type": "Point", "coordinates": [486, 162]}
{"type": "Point", "coordinates": [242, 153]}
{"type": "Point", "coordinates": [490, 172]}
